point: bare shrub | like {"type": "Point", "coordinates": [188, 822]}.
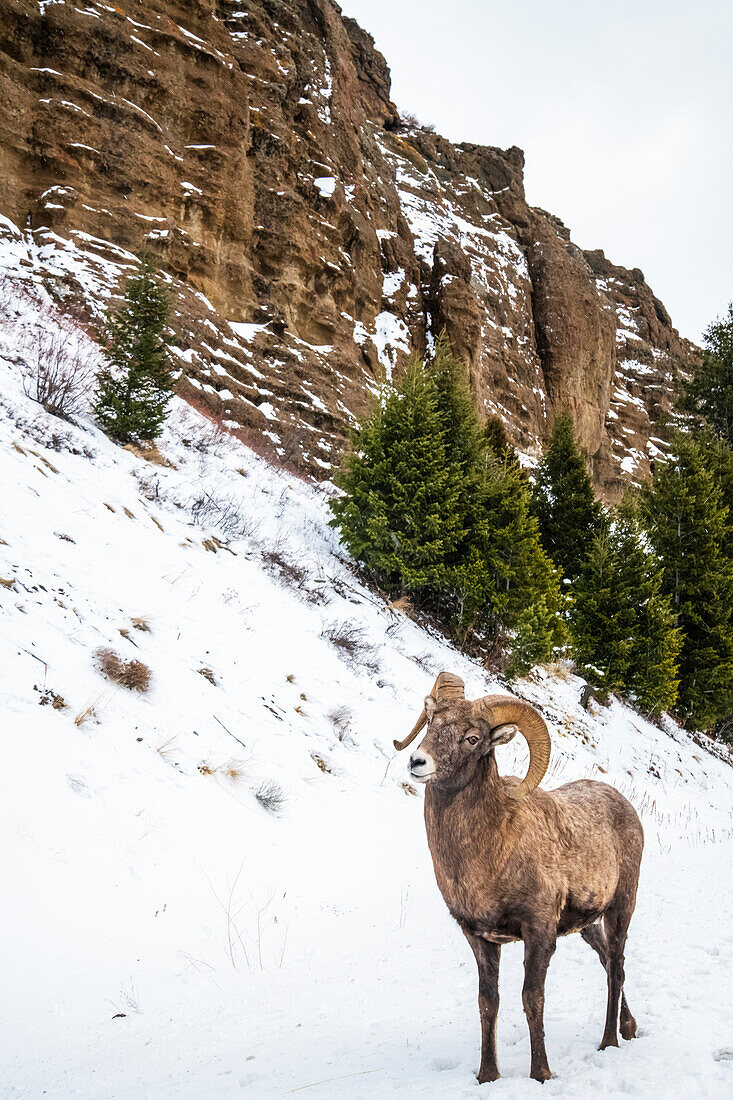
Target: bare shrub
{"type": "Point", "coordinates": [290, 572]}
{"type": "Point", "coordinates": [210, 439]}
{"type": "Point", "coordinates": [347, 637]}
{"type": "Point", "coordinates": [424, 661]}
{"type": "Point", "coordinates": [56, 372]}
{"type": "Point", "coordinates": [133, 675]}
{"type": "Point", "coordinates": [410, 121]}
{"type": "Point", "coordinates": [223, 513]}
{"type": "Point", "coordinates": [340, 719]}
{"type": "Point", "coordinates": [270, 796]}
{"type": "Point", "coordinates": [148, 486]}
{"type": "Point", "coordinates": [352, 644]}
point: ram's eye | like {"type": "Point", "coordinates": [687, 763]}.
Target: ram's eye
{"type": "Point", "coordinates": [472, 740]}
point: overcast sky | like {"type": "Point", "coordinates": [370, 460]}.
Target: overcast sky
{"type": "Point", "coordinates": [624, 111]}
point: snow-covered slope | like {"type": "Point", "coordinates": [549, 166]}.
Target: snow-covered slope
{"type": "Point", "coordinates": [165, 934]}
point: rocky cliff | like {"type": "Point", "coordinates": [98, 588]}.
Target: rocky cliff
{"type": "Point", "coordinates": [312, 239]}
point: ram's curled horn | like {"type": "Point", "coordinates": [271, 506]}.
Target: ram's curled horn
{"type": "Point", "coordinates": [500, 710]}
{"type": "Point", "coordinates": [447, 686]}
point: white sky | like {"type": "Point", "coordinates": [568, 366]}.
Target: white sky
{"type": "Point", "coordinates": [623, 110]}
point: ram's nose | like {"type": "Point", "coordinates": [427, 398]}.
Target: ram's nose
{"type": "Point", "coordinates": [422, 766]}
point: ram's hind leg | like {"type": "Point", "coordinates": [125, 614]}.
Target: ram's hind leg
{"type": "Point", "coordinates": [596, 937]}
{"type": "Point", "coordinates": [616, 925]}
{"type": "Point", "coordinates": [487, 958]}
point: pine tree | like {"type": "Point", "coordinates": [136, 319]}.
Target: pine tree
{"type": "Point", "coordinates": [498, 442]}
{"type": "Point", "coordinates": [136, 384]}
{"type": "Point", "coordinates": [499, 566]}
{"type": "Point", "coordinates": [399, 515]}
{"type": "Point", "coordinates": [690, 528]}
{"type": "Point", "coordinates": [563, 500]}
{"type": "Point", "coordinates": [709, 393]}
{"type": "Point", "coordinates": [430, 510]}
{"type": "Point", "coordinates": [624, 634]}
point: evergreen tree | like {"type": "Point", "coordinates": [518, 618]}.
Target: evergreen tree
{"type": "Point", "coordinates": [563, 500]}
{"type": "Point", "coordinates": [429, 508]}
{"type": "Point", "coordinates": [499, 566]}
{"type": "Point", "coordinates": [709, 393]}
{"type": "Point", "coordinates": [400, 514]}
{"type": "Point", "coordinates": [498, 441]}
{"type": "Point", "coordinates": [689, 526]}
{"type": "Point", "coordinates": [624, 634]}
{"type": "Point", "coordinates": [135, 385]}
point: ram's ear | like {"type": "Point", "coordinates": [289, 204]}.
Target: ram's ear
{"type": "Point", "coordinates": [501, 735]}
{"type": "Point", "coordinates": [430, 705]}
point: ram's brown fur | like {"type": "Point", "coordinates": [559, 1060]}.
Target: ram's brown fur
{"type": "Point", "coordinates": [528, 868]}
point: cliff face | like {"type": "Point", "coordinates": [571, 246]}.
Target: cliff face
{"type": "Point", "coordinates": [310, 238]}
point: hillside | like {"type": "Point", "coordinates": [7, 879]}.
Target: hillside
{"type": "Point", "coordinates": [313, 238]}
{"type": "Point", "coordinates": [167, 933]}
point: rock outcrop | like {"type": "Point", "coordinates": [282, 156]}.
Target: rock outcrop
{"type": "Point", "coordinates": [312, 239]}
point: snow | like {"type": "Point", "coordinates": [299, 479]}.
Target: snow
{"type": "Point", "coordinates": [326, 186]}
{"type": "Point", "coordinates": [307, 953]}
{"type": "Point", "coordinates": [246, 330]}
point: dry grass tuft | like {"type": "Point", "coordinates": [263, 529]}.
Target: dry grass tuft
{"type": "Point", "coordinates": [233, 770]}
{"type": "Point", "coordinates": [140, 624]}
{"type": "Point", "coordinates": [290, 677]}
{"type": "Point", "coordinates": [133, 675]}
{"type": "Point", "coordinates": [559, 670]}
{"type": "Point", "coordinates": [86, 714]}
{"type": "Point", "coordinates": [403, 604]}
{"type": "Point", "coordinates": [8, 582]}
{"type": "Point", "coordinates": [271, 797]}
{"type": "Point", "coordinates": [320, 762]}
{"type": "Point", "coordinates": [408, 789]}
{"type": "Point", "coordinates": [150, 453]}
{"type": "Point", "coordinates": [208, 674]}
{"type": "Point", "coordinates": [167, 750]}
{"type": "Point", "coordinates": [51, 699]}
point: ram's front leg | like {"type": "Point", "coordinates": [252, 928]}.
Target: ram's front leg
{"type": "Point", "coordinates": [539, 947]}
{"type": "Point", "coordinates": [487, 958]}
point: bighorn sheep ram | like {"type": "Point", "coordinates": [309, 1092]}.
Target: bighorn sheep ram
{"type": "Point", "coordinates": [517, 863]}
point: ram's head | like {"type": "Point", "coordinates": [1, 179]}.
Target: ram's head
{"type": "Point", "coordinates": [460, 732]}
